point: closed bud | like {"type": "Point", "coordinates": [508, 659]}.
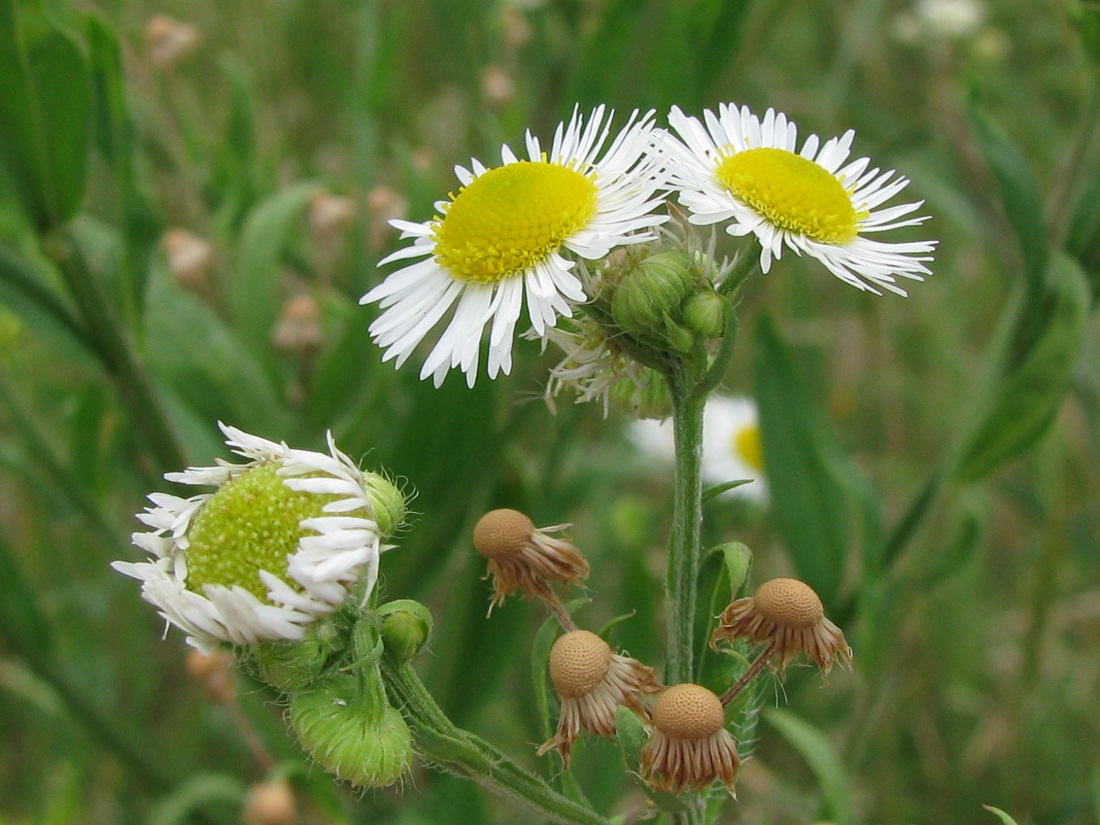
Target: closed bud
{"type": "Point", "coordinates": [679, 338]}
{"type": "Point", "coordinates": [705, 314]}
{"type": "Point", "coordinates": [650, 291]}
{"type": "Point", "coordinates": [292, 666]}
{"type": "Point", "coordinates": [406, 627]}
{"type": "Point", "coordinates": [648, 398]}
{"type": "Point", "coordinates": [388, 502]}
{"type": "Point", "coordinates": [351, 736]}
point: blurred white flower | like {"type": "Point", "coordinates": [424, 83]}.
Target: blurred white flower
{"type": "Point", "coordinates": [731, 445]}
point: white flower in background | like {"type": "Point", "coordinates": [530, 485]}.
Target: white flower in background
{"type": "Point", "coordinates": [743, 171]}
{"type": "Point", "coordinates": [509, 236]}
{"type": "Point", "coordinates": [286, 538]}
{"type": "Point", "coordinates": [949, 18]}
{"type": "Point", "coordinates": [731, 445]}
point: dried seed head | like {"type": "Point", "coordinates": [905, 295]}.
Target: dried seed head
{"type": "Point", "coordinates": [270, 803]}
{"type": "Point", "coordinates": [789, 603]}
{"type": "Point", "coordinates": [688, 712]}
{"type": "Point", "coordinates": [502, 533]}
{"type": "Point", "coordinates": [578, 663]}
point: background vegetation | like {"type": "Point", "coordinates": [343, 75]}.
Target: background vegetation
{"type": "Point", "coordinates": [943, 491]}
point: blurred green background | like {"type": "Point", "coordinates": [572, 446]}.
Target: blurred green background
{"type": "Point", "coordinates": [193, 197]}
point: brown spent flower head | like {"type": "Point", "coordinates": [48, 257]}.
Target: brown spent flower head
{"type": "Point", "coordinates": [689, 746]}
{"type": "Point", "coordinates": [190, 258]}
{"type": "Point", "coordinates": [270, 803]}
{"type": "Point", "coordinates": [212, 672]}
{"type": "Point", "coordinates": [524, 557]}
{"type": "Point", "coordinates": [167, 41]}
{"type": "Point", "coordinates": [788, 614]}
{"type": "Point", "coordinates": [591, 682]}
{"type": "Point", "coordinates": [299, 326]}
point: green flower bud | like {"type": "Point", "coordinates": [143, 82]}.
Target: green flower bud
{"type": "Point", "coordinates": [349, 735]}
{"type": "Point", "coordinates": [406, 626]}
{"type": "Point", "coordinates": [705, 313]}
{"type": "Point", "coordinates": [679, 338]}
{"type": "Point", "coordinates": [654, 288]}
{"type": "Point", "coordinates": [292, 666]}
{"type": "Point", "coordinates": [648, 399]}
{"type": "Point", "coordinates": [387, 501]}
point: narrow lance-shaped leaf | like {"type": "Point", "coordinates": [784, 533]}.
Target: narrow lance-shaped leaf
{"type": "Point", "coordinates": [45, 104]}
{"type": "Point", "coordinates": [803, 466]}
{"type": "Point", "coordinates": [1019, 195]}
{"type": "Point", "coordinates": [1025, 389]}
{"type": "Point", "coordinates": [824, 760]}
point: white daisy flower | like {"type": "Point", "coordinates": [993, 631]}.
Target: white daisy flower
{"type": "Point", "coordinates": [745, 171]}
{"type": "Point", "coordinates": [510, 235]}
{"type": "Point", "coordinates": [731, 445]}
{"type": "Point", "coordinates": [285, 539]}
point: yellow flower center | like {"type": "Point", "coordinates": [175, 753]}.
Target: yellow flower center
{"type": "Point", "coordinates": [793, 193]}
{"type": "Point", "coordinates": [251, 523]}
{"type": "Point", "coordinates": [746, 444]}
{"type": "Point", "coordinates": [510, 218]}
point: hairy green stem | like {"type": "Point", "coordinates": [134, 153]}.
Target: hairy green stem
{"type": "Point", "coordinates": [684, 553]}
{"type": "Point", "coordinates": [458, 751]}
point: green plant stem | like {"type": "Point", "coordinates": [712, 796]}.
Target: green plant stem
{"type": "Point", "coordinates": [457, 751]}
{"type": "Point", "coordinates": [905, 528]}
{"type": "Point", "coordinates": [684, 555]}
{"type": "Point", "coordinates": [135, 389]}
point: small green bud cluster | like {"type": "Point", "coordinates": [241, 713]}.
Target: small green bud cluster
{"type": "Point", "coordinates": [667, 301]}
{"type": "Point", "coordinates": [332, 682]}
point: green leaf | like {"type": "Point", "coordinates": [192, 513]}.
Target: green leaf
{"type": "Point", "coordinates": [1083, 237]}
{"type": "Point", "coordinates": [631, 737]}
{"type": "Point", "coordinates": [205, 364]}
{"type": "Point", "coordinates": [1085, 15]}
{"type": "Point", "coordinates": [540, 660]}
{"type": "Point", "coordinates": [807, 474]}
{"type": "Point", "coordinates": [116, 137]}
{"type": "Point", "coordinates": [1005, 818]}
{"type": "Point", "coordinates": [23, 625]}
{"type": "Point", "coordinates": [823, 759]}
{"type": "Point", "coordinates": [195, 794]}
{"type": "Point", "coordinates": [256, 294]}
{"type": "Point", "coordinates": [1026, 387]}
{"type": "Point", "coordinates": [1019, 195]}
{"type": "Point", "coordinates": [24, 293]}
{"type": "Point", "coordinates": [45, 105]}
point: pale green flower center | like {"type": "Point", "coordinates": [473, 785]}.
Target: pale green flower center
{"type": "Point", "coordinates": [746, 444]}
{"type": "Point", "coordinates": [510, 218]}
{"type": "Point", "coordinates": [792, 193]}
{"type": "Point", "coordinates": [251, 523]}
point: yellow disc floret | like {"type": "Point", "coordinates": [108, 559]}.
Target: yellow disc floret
{"type": "Point", "coordinates": [579, 660]}
{"type": "Point", "coordinates": [746, 444]}
{"type": "Point", "coordinates": [789, 603]}
{"type": "Point", "coordinates": [510, 218]}
{"type": "Point", "coordinates": [793, 193]}
{"type": "Point", "coordinates": [252, 523]}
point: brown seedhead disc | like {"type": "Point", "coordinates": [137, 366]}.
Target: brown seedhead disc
{"type": "Point", "coordinates": [688, 712]}
{"type": "Point", "coordinates": [578, 662]}
{"type": "Point", "coordinates": [789, 603]}
{"type": "Point", "coordinates": [502, 533]}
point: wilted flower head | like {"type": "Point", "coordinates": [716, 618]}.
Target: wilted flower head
{"type": "Point", "coordinates": [592, 682]}
{"type": "Point", "coordinates": [746, 173]}
{"type": "Point", "coordinates": [523, 557]}
{"type": "Point", "coordinates": [787, 614]}
{"type": "Point", "coordinates": [190, 258]}
{"type": "Point", "coordinates": [286, 538]}
{"type": "Point", "coordinates": [511, 235]}
{"type": "Point", "coordinates": [167, 40]}
{"type": "Point", "coordinates": [689, 747]}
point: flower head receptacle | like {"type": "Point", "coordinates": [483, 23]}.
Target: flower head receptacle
{"type": "Point", "coordinates": [592, 681]}
{"type": "Point", "coordinates": [523, 557]}
{"type": "Point", "coordinates": [689, 747]}
{"type": "Point", "coordinates": [788, 614]}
